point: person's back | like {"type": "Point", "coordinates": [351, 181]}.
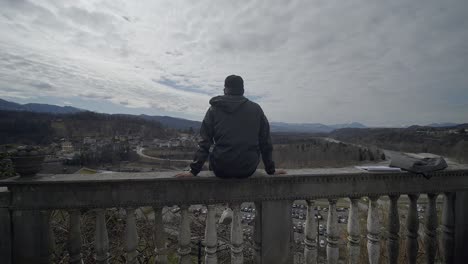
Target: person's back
{"type": "Point", "coordinates": [237, 125]}
{"type": "Point", "coordinates": [239, 131]}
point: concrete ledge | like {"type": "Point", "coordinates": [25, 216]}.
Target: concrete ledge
{"type": "Point", "coordinates": [147, 189]}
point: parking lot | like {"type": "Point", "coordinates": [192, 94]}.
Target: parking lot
{"type": "Point", "coordinates": [298, 216]}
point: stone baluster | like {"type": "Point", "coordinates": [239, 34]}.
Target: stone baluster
{"type": "Point", "coordinates": [184, 236]}
{"type": "Point", "coordinates": [237, 238]}
{"type": "Point", "coordinates": [310, 234]}
{"type": "Point", "coordinates": [412, 226]}
{"type": "Point", "coordinates": [373, 231]}
{"type": "Point", "coordinates": [131, 237]}
{"type": "Point", "coordinates": [101, 240]}
{"type": "Point", "coordinates": [332, 232]}
{"type": "Point", "coordinates": [51, 234]}
{"type": "Point", "coordinates": [257, 234]}
{"type": "Point", "coordinates": [430, 235]}
{"type": "Point", "coordinates": [354, 231]}
{"type": "Point", "coordinates": [6, 234]}
{"type": "Point", "coordinates": [448, 225]}
{"type": "Point", "coordinates": [211, 240]}
{"type": "Point", "coordinates": [393, 243]}
{"type": "Point", "coordinates": [74, 237]}
{"type": "Point", "coordinates": [159, 236]}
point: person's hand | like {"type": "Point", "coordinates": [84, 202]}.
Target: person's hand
{"type": "Point", "coordinates": [280, 172]}
{"type": "Point", "coordinates": [185, 174]}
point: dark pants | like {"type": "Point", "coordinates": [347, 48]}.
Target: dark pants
{"type": "Point", "coordinates": [230, 172]}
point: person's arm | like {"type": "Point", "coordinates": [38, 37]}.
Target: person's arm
{"type": "Point", "coordinates": [266, 147]}
{"type": "Point", "coordinates": [206, 134]}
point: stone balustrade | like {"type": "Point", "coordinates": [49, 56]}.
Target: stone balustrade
{"type": "Point", "coordinates": [25, 205]}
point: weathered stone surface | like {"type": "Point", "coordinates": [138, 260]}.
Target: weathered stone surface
{"type": "Point", "coordinates": [5, 227]}
{"type": "Point", "coordinates": [272, 195]}
{"type": "Point", "coordinates": [461, 227]}
{"type": "Point", "coordinates": [148, 189]}
{"type": "Point", "coordinates": [276, 232]}
{"type": "Point", "coordinates": [237, 237]}
{"type": "Point", "coordinates": [332, 233]}
{"type": "Point", "coordinates": [31, 237]}
{"type": "Point", "coordinates": [101, 238]}
{"type": "Point", "coordinates": [373, 231]}
{"type": "Point", "coordinates": [448, 228]}
{"type": "Point", "coordinates": [412, 227]}
{"type": "Point", "coordinates": [393, 228]}
{"type": "Point", "coordinates": [74, 237]}
{"type": "Point", "coordinates": [354, 232]}
{"type": "Point", "coordinates": [211, 239]}
{"type": "Point", "coordinates": [310, 234]}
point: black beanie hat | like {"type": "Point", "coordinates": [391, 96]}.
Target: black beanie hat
{"type": "Point", "coordinates": [234, 85]}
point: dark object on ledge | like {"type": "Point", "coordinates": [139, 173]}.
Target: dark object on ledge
{"type": "Point", "coordinates": [27, 160]}
{"type": "Point", "coordinates": [417, 163]}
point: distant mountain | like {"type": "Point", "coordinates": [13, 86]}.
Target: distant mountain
{"type": "Point", "coordinates": [173, 122]}
{"type": "Point", "coordinates": [348, 125]}
{"type": "Point", "coordinates": [310, 127]}
{"type": "Point", "coordinates": [299, 128]}
{"type": "Point", "coordinates": [38, 108]}
{"type": "Point", "coordinates": [442, 125]}
{"type": "Point", "coordinates": [184, 124]}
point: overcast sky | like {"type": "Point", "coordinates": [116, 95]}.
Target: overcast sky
{"type": "Point", "coordinates": [377, 62]}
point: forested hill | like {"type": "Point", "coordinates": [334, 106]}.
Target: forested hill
{"type": "Point", "coordinates": [43, 128]}
{"type": "Point", "coordinates": [447, 141]}
{"type": "Point", "coordinates": [38, 108]}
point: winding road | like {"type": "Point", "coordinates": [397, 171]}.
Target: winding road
{"type": "Point", "coordinates": [141, 154]}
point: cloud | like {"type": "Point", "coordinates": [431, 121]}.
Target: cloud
{"type": "Point", "coordinates": [179, 86]}
{"type": "Point", "coordinates": [380, 63]}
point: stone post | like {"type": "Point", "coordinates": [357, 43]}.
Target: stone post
{"type": "Point", "coordinates": [184, 236]}
{"type": "Point", "coordinates": [5, 226]}
{"type": "Point", "coordinates": [373, 231]}
{"type": "Point", "coordinates": [393, 227]}
{"type": "Point", "coordinates": [101, 238]}
{"type": "Point", "coordinates": [131, 237]}
{"type": "Point", "coordinates": [448, 228]}
{"type": "Point", "coordinates": [74, 237]}
{"type": "Point", "coordinates": [412, 227]}
{"type": "Point", "coordinates": [276, 232]}
{"type": "Point", "coordinates": [211, 239]}
{"type": "Point", "coordinates": [461, 227]}
{"type": "Point", "coordinates": [332, 233]}
{"type": "Point", "coordinates": [430, 233]}
{"type": "Point", "coordinates": [310, 234]}
{"type": "Point", "coordinates": [237, 237]}
{"type": "Point", "coordinates": [257, 234]}
{"type": "Point", "coordinates": [354, 239]}
{"type": "Point", "coordinates": [31, 237]}
{"type": "Point", "coordinates": [160, 236]}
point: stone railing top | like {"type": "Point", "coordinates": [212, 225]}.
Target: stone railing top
{"type": "Point", "coordinates": [161, 188]}
{"type": "Point", "coordinates": [203, 176]}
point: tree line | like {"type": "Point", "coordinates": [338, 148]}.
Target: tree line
{"type": "Point", "coordinates": [43, 129]}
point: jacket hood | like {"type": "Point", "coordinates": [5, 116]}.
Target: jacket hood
{"type": "Point", "coordinates": [228, 103]}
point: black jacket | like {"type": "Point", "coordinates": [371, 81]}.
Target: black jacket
{"type": "Point", "coordinates": [240, 132]}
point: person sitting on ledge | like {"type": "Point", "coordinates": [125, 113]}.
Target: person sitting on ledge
{"type": "Point", "coordinates": [240, 132]}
